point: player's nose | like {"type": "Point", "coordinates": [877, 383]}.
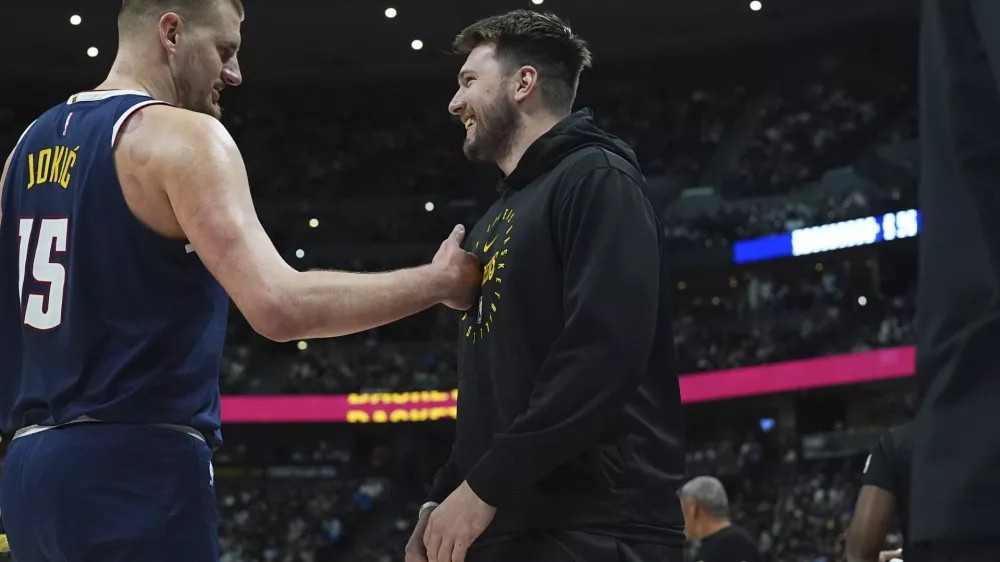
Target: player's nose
{"type": "Point", "coordinates": [456, 105]}
{"type": "Point", "coordinates": [231, 73]}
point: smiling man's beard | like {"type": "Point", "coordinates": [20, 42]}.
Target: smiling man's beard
{"type": "Point", "coordinates": [496, 129]}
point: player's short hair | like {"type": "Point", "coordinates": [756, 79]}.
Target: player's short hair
{"type": "Point", "coordinates": [194, 11]}
{"type": "Point", "coordinates": [709, 494]}
{"type": "Point", "coordinates": [541, 40]}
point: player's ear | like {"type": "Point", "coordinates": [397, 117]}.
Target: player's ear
{"type": "Point", "coordinates": [168, 28]}
{"type": "Point", "coordinates": [525, 82]}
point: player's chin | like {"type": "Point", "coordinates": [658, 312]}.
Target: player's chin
{"type": "Point", "coordinates": [473, 151]}
{"type": "Point", "coordinates": [469, 149]}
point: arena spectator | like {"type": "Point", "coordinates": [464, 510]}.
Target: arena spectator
{"type": "Point", "coordinates": [706, 520]}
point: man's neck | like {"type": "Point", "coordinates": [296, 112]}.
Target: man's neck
{"type": "Point", "coordinates": [127, 75]}
{"type": "Point", "coordinates": [531, 130]}
{"type": "Point", "coordinates": [714, 526]}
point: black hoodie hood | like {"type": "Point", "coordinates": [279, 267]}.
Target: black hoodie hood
{"type": "Point", "coordinates": [576, 131]}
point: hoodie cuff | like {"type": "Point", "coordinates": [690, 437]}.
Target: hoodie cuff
{"type": "Point", "coordinates": [487, 479]}
{"type": "Point", "coordinates": [440, 492]}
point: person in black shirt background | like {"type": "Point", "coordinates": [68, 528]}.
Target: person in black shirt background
{"type": "Point", "coordinates": [955, 495]}
{"type": "Point", "coordinates": [706, 520]}
{"type": "Point", "coordinates": [885, 491]}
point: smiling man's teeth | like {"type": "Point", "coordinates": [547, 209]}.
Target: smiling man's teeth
{"type": "Point", "coordinates": [468, 123]}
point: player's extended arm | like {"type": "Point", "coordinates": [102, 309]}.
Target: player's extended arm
{"type": "Point", "coordinates": [202, 174]}
{"type": "Point", "coordinates": [872, 514]}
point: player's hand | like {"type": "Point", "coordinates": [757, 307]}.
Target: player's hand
{"type": "Point", "coordinates": [415, 549]}
{"type": "Point", "coordinates": [456, 524]}
{"type": "Point", "coordinates": [886, 555]}
{"type": "Point", "coordinates": [461, 271]}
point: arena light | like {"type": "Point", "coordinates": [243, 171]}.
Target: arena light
{"type": "Point", "coordinates": [756, 5]}
{"type": "Point", "coordinates": [537, 2]}
{"type": "Point", "coordinates": [313, 223]}
{"type": "Point", "coordinates": [303, 346]}
{"type": "Point", "coordinates": [417, 44]}
{"type": "Point", "coordinates": [862, 300]}
{"type": "Point", "coordinates": [92, 52]}
{"type": "Point", "coordinates": [429, 206]}
{"type": "Point", "coordinates": [300, 253]}
{"type": "Point", "coordinates": [75, 20]}
{"type": "Point", "coordinates": [390, 13]}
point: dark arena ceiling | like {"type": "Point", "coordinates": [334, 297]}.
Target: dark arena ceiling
{"type": "Point", "coordinates": [309, 41]}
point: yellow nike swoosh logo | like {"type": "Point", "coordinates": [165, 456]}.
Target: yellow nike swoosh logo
{"type": "Point", "coordinates": [486, 248]}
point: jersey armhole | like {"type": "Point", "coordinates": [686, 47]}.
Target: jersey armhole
{"type": "Point", "coordinates": [4, 169]}
{"type": "Point", "coordinates": [116, 130]}
{"type": "Point", "coordinates": [24, 134]}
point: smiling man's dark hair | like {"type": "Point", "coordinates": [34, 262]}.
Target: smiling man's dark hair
{"type": "Point", "coordinates": [542, 40]}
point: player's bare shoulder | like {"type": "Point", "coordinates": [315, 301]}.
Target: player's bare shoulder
{"type": "Point", "coordinates": [161, 134]}
{"type": "Point", "coordinates": [160, 147]}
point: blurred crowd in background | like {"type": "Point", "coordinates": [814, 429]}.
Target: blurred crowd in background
{"type": "Point", "coordinates": [760, 321]}
{"type": "Point", "coordinates": [329, 506]}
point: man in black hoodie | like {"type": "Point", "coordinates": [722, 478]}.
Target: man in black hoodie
{"type": "Point", "coordinates": [569, 438]}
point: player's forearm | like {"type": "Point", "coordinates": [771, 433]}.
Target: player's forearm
{"type": "Point", "coordinates": [856, 556]}
{"type": "Point", "coordinates": [323, 304]}
{"type": "Point", "coordinates": [860, 545]}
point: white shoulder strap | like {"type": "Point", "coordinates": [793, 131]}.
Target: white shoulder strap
{"type": "Point", "coordinates": [21, 138]}
{"type": "Point", "coordinates": [128, 113]}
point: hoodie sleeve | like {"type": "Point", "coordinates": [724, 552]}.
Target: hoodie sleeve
{"type": "Point", "coordinates": [446, 480]}
{"type": "Point", "coordinates": [607, 235]}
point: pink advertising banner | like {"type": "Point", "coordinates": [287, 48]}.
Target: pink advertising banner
{"type": "Point", "coordinates": [398, 407]}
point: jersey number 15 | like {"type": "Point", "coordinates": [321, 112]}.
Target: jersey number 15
{"type": "Point", "coordinates": [52, 234]}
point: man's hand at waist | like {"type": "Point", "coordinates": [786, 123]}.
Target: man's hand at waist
{"type": "Point", "coordinates": [455, 524]}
